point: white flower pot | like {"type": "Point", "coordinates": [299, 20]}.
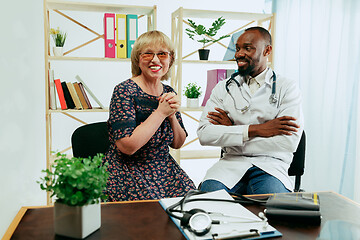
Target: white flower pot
{"type": "Point", "coordinates": [58, 51]}
{"type": "Point", "coordinates": [192, 102]}
{"type": "Point", "coordinates": [76, 222]}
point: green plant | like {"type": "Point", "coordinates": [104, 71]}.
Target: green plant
{"type": "Point", "coordinates": [76, 181]}
{"type": "Point", "coordinates": [203, 33]}
{"type": "Point", "coordinates": [192, 91]}
{"type": "Point", "coordinates": [58, 36]}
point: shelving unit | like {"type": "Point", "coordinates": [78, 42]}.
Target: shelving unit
{"type": "Point", "coordinates": [178, 25]}
{"type": "Point", "coordinates": [60, 7]}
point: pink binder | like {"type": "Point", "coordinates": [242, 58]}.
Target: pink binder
{"type": "Point", "coordinates": [213, 77]}
{"type": "Point", "coordinates": [109, 35]}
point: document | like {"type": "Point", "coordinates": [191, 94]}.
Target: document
{"type": "Point", "coordinates": [235, 220]}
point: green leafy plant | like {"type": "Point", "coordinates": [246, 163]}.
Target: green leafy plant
{"type": "Point", "coordinates": [76, 181]}
{"type": "Point", "coordinates": [58, 36]}
{"type": "Point", "coordinates": [192, 91]}
{"type": "Point", "coordinates": [203, 33]}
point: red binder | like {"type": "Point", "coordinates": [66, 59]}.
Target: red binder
{"type": "Point", "coordinates": [109, 35]}
{"type": "Point", "coordinates": [60, 94]}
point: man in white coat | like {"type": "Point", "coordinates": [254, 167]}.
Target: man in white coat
{"type": "Point", "coordinates": [256, 118]}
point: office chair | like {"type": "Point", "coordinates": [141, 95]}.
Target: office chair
{"type": "Point", "coordinates": [90, 139]}
{"type": "Point", "coordinates": [298, 163]}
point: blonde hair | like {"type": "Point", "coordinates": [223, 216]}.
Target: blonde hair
{"type": "Point", "coordinates": [148, 39]}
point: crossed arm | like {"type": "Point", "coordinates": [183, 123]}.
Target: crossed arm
{"type": "Point", "coordinates": [284, 125]}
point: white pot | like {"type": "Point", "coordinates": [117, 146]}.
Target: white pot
{"type": "Point", "coordinates": [192, 102]}
{"type": "Point", "coordinates": [76, 222]}
{"type": "Point", "coordinates": [58, 51]}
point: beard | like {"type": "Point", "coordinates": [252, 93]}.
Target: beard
{"type": "Point", "coordinates": [251, 65]}
{"type": "Point", "coordinates": [246, 71]}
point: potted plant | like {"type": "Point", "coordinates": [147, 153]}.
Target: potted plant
{"type": "Point", "coordinates": [192, 93]}
{"type": "Point", "coordinates": [78, 185]}
{"type": "Point", "coordinates": [205, 35]}
{"type": "Point", "coordinates": [59, 38]}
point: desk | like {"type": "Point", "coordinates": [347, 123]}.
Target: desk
{"type": "Point", "coordinates": [147, 220]}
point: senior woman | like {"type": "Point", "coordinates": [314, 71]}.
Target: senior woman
{"type": "Point", "coordinates": [143, 122]}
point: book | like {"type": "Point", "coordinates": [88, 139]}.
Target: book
{"type": "Point", "coordinates": [213, 77]}
{"type": "Point", "coordinates": [85, 95]}
{"type": "Point", "coordinates": [69, 102]}
{"type": "Point", "coordinates": [74, 96]}
{"type": "Point", "coordinates": [89, 91]}
{"type": "Point", "coordinates": [52, 90]}
{"type": "Point", "coordinates": [60, 94]}
{"type": "Point", "coordinates": [80, 95]}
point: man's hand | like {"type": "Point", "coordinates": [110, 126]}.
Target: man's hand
{"type": "Point", "coordinates": [219, 118]}
{"type": "Point", "coordinates": [279, 126]}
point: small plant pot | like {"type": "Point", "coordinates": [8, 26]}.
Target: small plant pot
{"type": "Point", "coordinates": [75, 221]}
{"type": "Point", "coordinates": [204, 54]}
{"type": "Point", "coordinates": [58, 51]}
{"type": "Point", "coordinates": [192, 102]}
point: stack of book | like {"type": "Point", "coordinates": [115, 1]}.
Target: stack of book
{"type": "Point", "coordinates": [70, 95]}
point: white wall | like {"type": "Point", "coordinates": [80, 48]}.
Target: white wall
{"type": "Point", "coordinates": [22, 98]}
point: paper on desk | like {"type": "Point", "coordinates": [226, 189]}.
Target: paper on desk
{"type": "Point", "coordinates": [234, 212]}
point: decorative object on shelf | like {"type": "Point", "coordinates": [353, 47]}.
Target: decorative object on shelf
{"type": "Point", "coordinates": [78, 185]}
{"type": "Point", "coordinates": [205, 35]}
{"type": "Point", "coordinates": [192, 93]}
{"type": "Point", "coordinates": [59, 38]}
{"type": "Point", "coordinates": [231, 49]}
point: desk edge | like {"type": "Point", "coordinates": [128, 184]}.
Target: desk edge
{"type": "Point", "coordinates": [13, 225]}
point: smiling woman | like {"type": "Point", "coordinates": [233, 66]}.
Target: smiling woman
{"type": "Point", "coordinates": [144, 121]}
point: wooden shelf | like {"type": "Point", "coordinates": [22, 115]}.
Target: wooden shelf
{"type": "Point", "coordinates": [99, 7]}
{"type": "Point", "coordinates": [208, 62]}
{"type": "Point", "coordinates": [79, 111]}
{"type": "Point", "coordinates": [199, 13]}
{"type": "Point", "coordinates": [64, 58]}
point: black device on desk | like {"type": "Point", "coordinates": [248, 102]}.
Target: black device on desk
{"type": "Point", "coordinates": [299, 207]}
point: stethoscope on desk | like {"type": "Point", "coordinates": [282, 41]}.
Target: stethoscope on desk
{"type": "Point", "coordinates": [199, 221]}
{"type": "Point", "coordinates": [272, 99]}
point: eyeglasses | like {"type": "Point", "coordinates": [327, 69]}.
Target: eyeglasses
{"type": "Point", "coordinates": [149, 55]}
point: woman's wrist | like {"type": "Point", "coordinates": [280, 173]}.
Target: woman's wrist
{"type": "Point", "coordinates": [159, 114]}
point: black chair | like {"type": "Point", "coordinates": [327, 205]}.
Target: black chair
{"type": "Point", "coordinates": [90, 139]}
{"type": "Point", "coordinates": [298, 163]}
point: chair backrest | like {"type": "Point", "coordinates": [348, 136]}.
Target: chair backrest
{"type": "Point", "coordinates": [298, 163]}
{"type": "Point", "coordinates": [90, 139]}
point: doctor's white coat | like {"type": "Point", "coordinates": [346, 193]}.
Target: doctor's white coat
{"type": "Point", "coordinates": [273, 154]}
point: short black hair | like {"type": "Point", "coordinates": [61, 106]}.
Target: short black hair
{"type": "Point", "coordinates": [264, 33]}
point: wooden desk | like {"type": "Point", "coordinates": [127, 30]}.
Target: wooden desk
{"type": "Point", "coordinates": [147, 220]}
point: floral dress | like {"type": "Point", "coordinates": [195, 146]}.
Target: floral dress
{"type": "Point", "coordinates": [151, 172]}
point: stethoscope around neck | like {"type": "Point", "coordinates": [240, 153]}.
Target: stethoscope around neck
{"type": "Point", "coordinates": [272, 99]}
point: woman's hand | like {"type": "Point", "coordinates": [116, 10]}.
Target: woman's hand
{"type": "Point", "coordinates": [173, 100]}
{"type": "Point", "coordinates": [166, 108]}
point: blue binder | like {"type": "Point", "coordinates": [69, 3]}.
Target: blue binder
{"type": "Point", "coordinates": [131, 32]}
